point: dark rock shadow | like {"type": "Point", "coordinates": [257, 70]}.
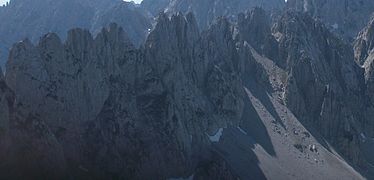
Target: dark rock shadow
{"type": "Point", "coordinates": [262, 94]}
{"type": "Point", "coordinates": [253, 125]}
{"type": "Point", "coordinates": [236, 149]}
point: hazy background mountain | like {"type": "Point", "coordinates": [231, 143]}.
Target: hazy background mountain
{"type": "Point", "coordinates": [33, 18]}
{"type": "Point", "coordinates": [345, 18]}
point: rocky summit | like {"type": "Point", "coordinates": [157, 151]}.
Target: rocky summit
{"type": "Point", "coordinates": [177, 89]}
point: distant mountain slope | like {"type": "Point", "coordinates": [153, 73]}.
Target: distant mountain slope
{"type": "Point", "coordinates": [33, 18]}
{"type": "Point", "coordinates": [207, 11]}
{"type": "Point", "coordinates": [345, 17]}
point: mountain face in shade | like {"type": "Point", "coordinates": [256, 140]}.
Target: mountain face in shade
{"type": "Point", "coordinates": [235, 101]}
{"type": "Point", "coordinates": [109, 103]}
{"type": "Point", "coordinates": [345, 18]}
{"type": "Point", "coordinates": [33, 18]}
{"type": "Point", "coordinates": [187, 89]}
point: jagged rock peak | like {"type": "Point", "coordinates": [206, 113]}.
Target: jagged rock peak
{"type": "Point", "coordinates": [296, 22]}
{"type": "Point", "coordinates": [221, 27]}
{"type": "Point", "coordinates": [175, 30]}
{"type": "Point", "coordinates": [79, 38]}
{"type": "Point", "coordinates": [115, 35]}
{"type": "Point", "coordinates": [254, 27]}
{"type": "Point", "coordinates": [61, 16]}
{"type": "Point", "coordinates": [19, 49]}
{"type": "Point", "coordinates": [50, 38]}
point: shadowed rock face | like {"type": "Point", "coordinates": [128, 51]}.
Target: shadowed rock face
{"type": "Point", "coordinates": [34, 18]}
{"type": "Point", "coordinates": [28, 148]}
{"type": "Point", "coordinates": [123, 112]}
{"type": "Point", "coordinates": [346, 17]}
{"type": "Point", "coordinates": [103, 108]}
{"type": "Point", "coordinates": [254, 27]}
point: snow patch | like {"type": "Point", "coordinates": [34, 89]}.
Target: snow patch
{"type": "Point", "coordinates": [242, 130]}
{"type": "Point", "coordinates": [217, 136]}
{"type": "Point", "coordinates": [335, 26]}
